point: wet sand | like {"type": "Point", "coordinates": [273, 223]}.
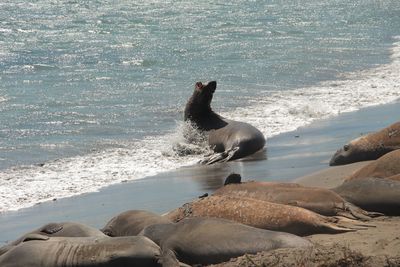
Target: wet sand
{"type": "Point", "coordinates": [287, 157]}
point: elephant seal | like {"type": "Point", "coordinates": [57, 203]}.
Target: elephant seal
{"type": "Point", "coordinates": [369, 147]}
{"type": "Point", "coordinates": [43, 251]}
{"type": "Point", "coordinates": [386, 166]}
{"type": "Point", "coordinates": [319, 200]}
{"type": "Point", "coordinates": [373, 194]}
{"type": "Point", "coordinates": [64, 229]}
{"type": "Point", "coordinates": [229, 139]}
{"type": "Point", "coordinates": [131, 222]}
{"type": "Point", "coordinates": [210, 240]}
{"type": "Point", "coordinates": [260, 214]}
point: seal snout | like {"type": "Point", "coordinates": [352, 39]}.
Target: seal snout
{"type": "Point", "coordinates": [337, 159]}
{"type": "Point", "coordinates": [212, 85]}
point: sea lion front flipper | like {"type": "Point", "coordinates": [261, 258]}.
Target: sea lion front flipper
{"type": "Point", "coordinates": [168, 259]}
{"type": "Point", "coordinates": [30, 237]}
{"type": "Point", "coordinates": [51, 228]}
{"type": "Point", "coordinates": [220, 157]}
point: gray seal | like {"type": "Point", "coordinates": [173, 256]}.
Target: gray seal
{"type": "Point", "coordinates": [132, 222]}
{"type": "Point", "coordinates": [369, 147]}
{"type": "Point", "coordinates": [43, 251]}
{"type": "Point", "coordinates": [64, 229]}
{"type": "Point", "coordinates": [229, 139]}
{"type": "Point", "coordinates": [210, 240]}
{"type": "Point", "coordinates": [372, 194]}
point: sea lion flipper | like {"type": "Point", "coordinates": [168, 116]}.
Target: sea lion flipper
{"type": "Point", "coordinates": [359, 213]}
{"type": "Point", "coordinates": [168, 259]}
{"type": "Point", "coordinates": [233, 178]}
{"type": "Point", "coordinates": [51, 228]}
{"type": "Point", "coordinates": [30, 237]}
{"type": "Point", "coordinates": [220, 157]}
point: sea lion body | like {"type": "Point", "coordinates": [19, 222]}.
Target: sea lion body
{"type": "Point", "coordinates": [372, 194]}
{"type": "Point", "coordinates": [43, 251]}
{"type": "Point", "coordinates": [369, 147]}
{"type": "Point", "coordinates": [132, 222]}
{"type": "Point", "coordinates": [384, 167]}
{"type": "Point", "coordinates": [62, 229]}
{"type": "Point", "coordinates": [210, 240]}
{"type": "Point", "coordinates": [319, 200]}
{"type": "Point", "coordinates": [229, 139]}
{"type": "Point", "coordinates": [260, 214]}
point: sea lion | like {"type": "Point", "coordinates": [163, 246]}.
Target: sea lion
{"type": "Point", "coordinates": [229, 139]}
{"type": "Point", "coordinates": [65, 229]}
{"type": "Point", "coordinates": [372, 194]}
{"type": "Point", "coordinates": [319, 200]}
{"type": "Point", "coordinates": [131, 222]}
{"type": "Point", "coordinates": [210, 240]}
{"type": "Point", "coordinates": [369, 147]}
{"type": "Point", "coordinates": [394, 177]}
{"type": "Point", "coordinates": [43, 251]}
{"type": "Point", "coordinates": [260, 214]}
{"type": "Point", "coordinates": [386, 166]}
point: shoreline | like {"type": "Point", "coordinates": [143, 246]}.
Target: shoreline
{"type": "Point", "coordinates": [289, 156]}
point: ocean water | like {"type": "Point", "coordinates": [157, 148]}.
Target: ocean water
{"type": "Point", "coordinates": [92, 92]}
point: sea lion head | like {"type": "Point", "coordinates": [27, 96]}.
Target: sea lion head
{"type": "Point", "coordinates": [199, 103]}
{"type": "Point", "coordinates": [354, 151]}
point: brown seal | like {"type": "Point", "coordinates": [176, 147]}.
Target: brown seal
{"type": "Point", "coordinates": [384, 167]}
{"type": "Point", "coordinates": [369, 147]}
{"type": "Point", "coordinates": [260, 214]}
{"type": "Point", "coordinates": [319, 200]}
{"type": "Point", "coordinates": [131, 222]}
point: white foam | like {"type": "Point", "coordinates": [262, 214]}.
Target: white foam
{"type": "Point", "coordinates": [24, 186]}
{"type": "Point", "coordinates": [276, 112]}
{"type": "Point", "coordinates": [283, 111]}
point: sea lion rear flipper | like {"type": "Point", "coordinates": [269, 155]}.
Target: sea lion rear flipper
{"type": "Point", "coordinates": [359, 213]}
{"type": "Point", "coordinates": [51, 228]}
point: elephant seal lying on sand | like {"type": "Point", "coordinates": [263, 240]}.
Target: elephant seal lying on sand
{"type": "Point", "coordinates": [43, 251]}
{"type": "Point", "coordinates": [384, 167]}
{"type": "Point", "coordinates": [210, 240]}
{"type": "Point", "coordinates": [319, 200]}
{"type": "Point", "coordinates": [373, 194]}
{"type": "Point", "coordinates": [229, 139]}
{"type": "Point", "coordinates": [131, 222]}
{"type": "Point", "coordinates": [64, 229]}
{"type": "Point", "coordinates": [369, 147]}
{"type": "Point", "coordinates": [260, 214]}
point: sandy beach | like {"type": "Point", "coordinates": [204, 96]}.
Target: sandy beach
{"type": "Point", "coordinates": [300, 156]}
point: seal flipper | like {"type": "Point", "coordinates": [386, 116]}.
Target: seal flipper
{"type": "Point", "coordinates": [220, 157]}
{"type": "Point", "coordinates": [51, 228]}
{"type": "Point", "coordinates": [30, 237]}
{"type": "Point", "coordinates": [359, 213]}
{"type": "Point", "coordinates": [168, 259]}
{"type": "Point", "coordinates": [233, 178]}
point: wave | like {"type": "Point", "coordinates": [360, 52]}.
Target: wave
{"type": "Point", "coordinates": [274, 113]}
